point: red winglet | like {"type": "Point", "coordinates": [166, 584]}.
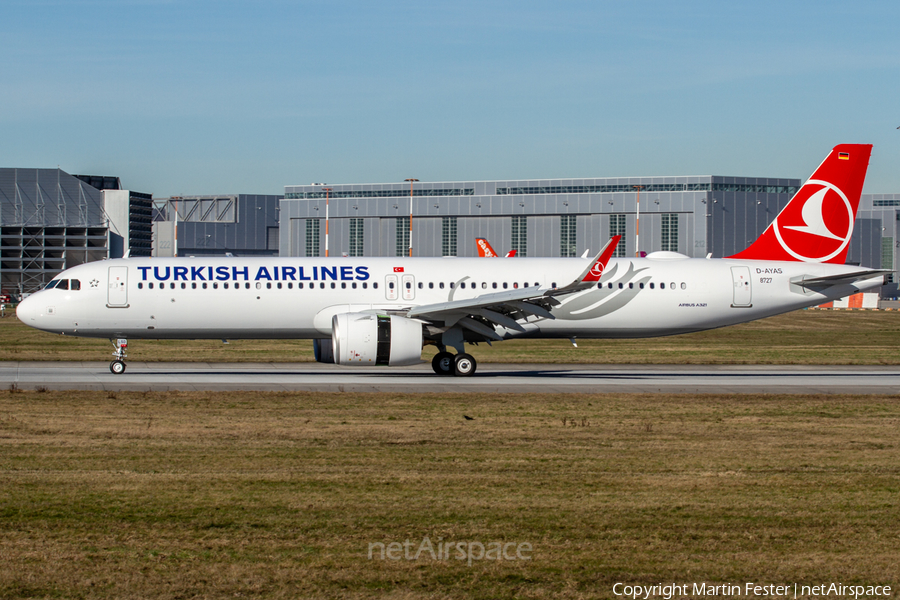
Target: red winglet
{"type": "Point", "coordinates": [511, 253]}
{"type": "Point", "coordinates": [596, 270]}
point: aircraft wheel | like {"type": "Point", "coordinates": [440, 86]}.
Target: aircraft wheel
{"type": "Point", "coordinates": [464, 365]}
{"type": "Point", "coordinates": [117, 367]}
{"type": "Point", "coordinates": [442, 363]}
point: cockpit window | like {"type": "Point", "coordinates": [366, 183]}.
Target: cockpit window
{"type": "Point", "coordinates": [63, 284]}
{"type": "Point", "coordinates": [74, 284]}
{"type": "Point", "coordinates": [52, 284]}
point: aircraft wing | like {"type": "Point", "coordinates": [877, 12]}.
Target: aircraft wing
{"type": "Point", "coordinates": [482, 313]}
{"type": "Point", "coordinates": [845, 278]}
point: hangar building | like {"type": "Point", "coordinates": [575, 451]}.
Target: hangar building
{"type": "Point", "coordinates": [558, 217]}
{"type": "Point", "coordinates": [236, 224]}
{"type": "Point", "coordinates": [51, 220]}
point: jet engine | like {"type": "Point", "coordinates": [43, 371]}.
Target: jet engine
{"type": "Point", "coordinates": [370, 339]}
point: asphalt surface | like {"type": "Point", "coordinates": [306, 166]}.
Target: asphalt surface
{"type": "Point", "coordinates": [770, 379]}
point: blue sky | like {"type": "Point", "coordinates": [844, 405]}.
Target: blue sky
{"type": "Point", "coordinates": [195, 97]}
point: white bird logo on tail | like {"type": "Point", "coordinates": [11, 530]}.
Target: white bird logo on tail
{"type": "Point", "coordinates": [813, 219]}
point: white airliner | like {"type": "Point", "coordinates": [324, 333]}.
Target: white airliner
{"type": "Point", "coordinates": [381, 311]}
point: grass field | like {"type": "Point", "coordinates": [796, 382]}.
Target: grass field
{"type": "Point", "coordinates": [802, 337]}
{"type": "Point", "coordinates": [215, 495]}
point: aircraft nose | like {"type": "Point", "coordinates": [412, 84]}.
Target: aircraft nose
{"type": "Point", "coordinates": [27, 311]}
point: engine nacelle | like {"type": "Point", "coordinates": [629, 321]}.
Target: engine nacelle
{"type": "Point", "coordinates": [369, 339]}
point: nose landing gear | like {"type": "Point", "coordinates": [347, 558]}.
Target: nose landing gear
{"type": "Point", "coordinates": [117, 366]}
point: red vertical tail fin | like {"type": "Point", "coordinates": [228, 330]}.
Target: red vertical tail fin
{"type": "Point", "coordinates": [484, 248]}
{"type": "Point", "coordinates": [817, 223]}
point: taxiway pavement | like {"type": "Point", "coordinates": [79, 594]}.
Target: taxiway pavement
{"type": "Point", "coordinates": [503, 378]}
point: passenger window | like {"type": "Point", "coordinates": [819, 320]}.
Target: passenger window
{"type": "Point", "coordinates": [683, 285]}
{"type": "Point", "coordinates": [215, 285]}
{"type": "Point", "coordinates": [452, 284]}
{"type": "Point", "coordinates": [194, 285]}
{"type": "Point", "coordinates": [553, 285]}
{"type": "Point", "coordinates": [225, 285]}
{"type": "Point", "coordinates": [203, 285]}
{"type": "Point", "coordinates": [290, 285]}
{"type": "Point", "coordinates": [333, 285]}
{"type": "Point", "coordinates": [172, 286]}
{"type": "Point", "coordinates": [515, 285]}
{"type": "Point", "coordinates": [247, 285]}
{"type": "Point", "coordinates": [343, 285]}
{"type": "Point", "coordinates": [183, 285]}
{"type": "Point", "coordinates": [391, 285]}
{"type": "Point", "coordinates": [278, 285]}
{"type": "Point", "coordinates": [140, 286]}
{"type": "Point", "coordinates": [630, 286]}
{"type": "Point", "coordinates": [353, 285]}
{"type": "Point", "coordinates": [374, 285]}
{"type": "Point", "coordinates": [641, 285]}
{"type": "Point", "coordinates": [608, 286]}
{"type": "Point", "coordinates": [672, 286]}
{"type": "Point", "coordinates": [484, 285]}
{"type": "Point", "coordinates": [300, 286]}
{"type": "Point", "coordinates": [430, 285]}
{"type": "Point", "coordinates": [525, 284]}
{"type": "Point", "coordinates": [365, 285]}
{"type": "Point", "coordinates": [652, 286]}
{"type": "Point", "coordinates": [150, 285]}
{"type": "Point", "coordinates": [408, 285]}
{"type": "Point", "coordinates": [322, 285]}
{"type": "Point", "coordinates": [494, 285]}
{"type": "Point", "coordinates": [268, 285]}
{"type": "Point", "coordinates": [621, 286]}
{"type": "Point", "coordinates": [441, 285]}
{"type": "Point", "coordinates": [505, 285]}
{"type": "Point", "coordinates": [75, 285]}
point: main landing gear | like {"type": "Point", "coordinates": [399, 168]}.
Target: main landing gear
{"type": "Point", "coordinates": [461, 365]}
{"type": "Point", "coordinates": [117, 366]}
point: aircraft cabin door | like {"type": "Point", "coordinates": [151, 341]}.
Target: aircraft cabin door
{"type": "Point", "coordinates": [740, 278]}
{"type": "Point", "coordinates": [390, 287]}
{"type": "Point", "coordinates": [117, 294]}
{"type": "Point", "coordinates": [409, 287]}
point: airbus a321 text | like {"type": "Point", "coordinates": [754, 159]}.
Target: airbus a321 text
{"type": "Point", "coordinates": [382, 311]}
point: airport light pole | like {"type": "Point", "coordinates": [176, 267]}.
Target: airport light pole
{"type": "Point", "coordinates": [411, 181]}
{"type": "Point", "coordinates": [327, 191]}
{"type": "Point", "coordinates": [174, 201]}
{"type": "Point", "coordinates": [637, 225]}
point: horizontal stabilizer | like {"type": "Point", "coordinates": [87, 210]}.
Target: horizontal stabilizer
{"type": "Point", "coordinates": [843, 279]}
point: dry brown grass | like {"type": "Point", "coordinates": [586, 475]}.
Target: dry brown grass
{"type": "Point", "coordinates": [802, 337]}
{"type": "Point", "coordinates": [178, 495]}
